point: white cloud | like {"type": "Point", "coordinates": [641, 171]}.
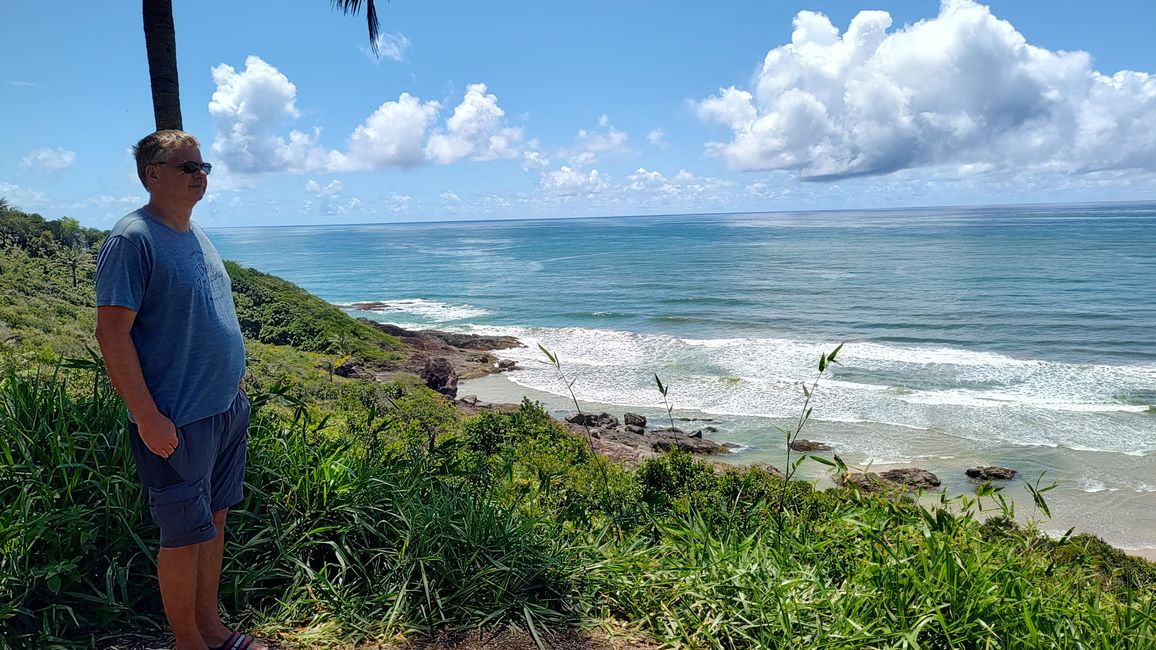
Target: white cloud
{"type": "Point", "coordinates": [394, 136]}
{"type": "Point", "coordinates": [449, 197]}
{"type": "Point", "coordinates": [249, 106]}
{"type": "Point", "coordinates": [390, 46]}
{"type": "Point", "coordinates": [656, 138]}
{"type": "Point", "coordinates": [22, 198]}
{"type": "Point", "coordinates": [475, 131]}
{"type": "Point", "coordinates": [398, 202]}
{"type": "Point", "coordinates": [51, 160]}
{"type": "Point", "coordinates": [568, 181]}
{"type": "Point", "coordinates": [23, 84]}
{"type": "Point", "coordinates": [246, 107]}
{"type": "Point", "coordinates": [963, 92]}
{"type": "Point", "coordinates": [333, 188]}
{"type": "Point", "coordinates": [683, 184]}
{"type": "Point", "coordinates": [592, 146]}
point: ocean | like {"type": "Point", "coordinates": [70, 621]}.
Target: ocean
{"type": "Point", "coordinates": [1022, 336]}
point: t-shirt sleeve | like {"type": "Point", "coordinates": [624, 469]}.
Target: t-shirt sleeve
{"type": "Point", "coordinates": [122, 272]}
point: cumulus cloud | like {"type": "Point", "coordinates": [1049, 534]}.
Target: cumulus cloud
{"type": "Point", "coordinates": [51, 160]}
{"type": "Point", "coordinates": [567, 181]}
{"type": "Point", "coordinates": [656, 138]}
{"type": "Point", "coordinates": [449, 197]}
{"type": "Point", "coordinates": [334, 187]}
{"type": "Point", "coordinates": [475, 131]}
{"type": "Point", "coordinates": [250, 109]}
{"type": "Point", "coordinates": [963, 91]}
{"type": "Point", "coordinates": [592, 146]}
{"type": "Point", "coordinates": [246, 108]}
{"type": "Point", "coordinates": [394, 136]}
{"type": "Point", "coordinates": [682, 184]}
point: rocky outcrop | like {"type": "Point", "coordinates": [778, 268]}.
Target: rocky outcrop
{"type": "Point", "coordinates": [469, 354]}
{"type": "Point", "coordinates": [908, 478]}
{"type": "Point", "coordinates": [912, 477]}
{"type": "Point", "coordinates": [800, 444]}
{"type": "Point", "coordinates": [631, 443]}
{"type": "Point", "coordinates": [601, 421]}
{"type": "Point", "coordinates": [634, 419]}
{"type": "Point", "coordinates": [991, 473]}
{"type": "Point", "coordinates": [438, 373]}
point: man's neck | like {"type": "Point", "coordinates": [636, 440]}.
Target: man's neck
{"type": "Point", "coordinates": [176, 217]}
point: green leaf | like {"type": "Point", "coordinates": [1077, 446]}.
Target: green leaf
{"type": "Point", "coordinates": [806, 392]}
{"type": "Point", "coordinates": [831, 357]}
{"type": "Point", "coordinates": [822, 461]}
{"type": "Point", "coordinates": [822, 362]}
{"type": "Point", "coordinates": [549, 355]}
{"type": "Point", "coordinates": [661, 388]}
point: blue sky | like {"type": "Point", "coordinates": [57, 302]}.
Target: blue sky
{"type": "Point", "coordinates": [535, 109]}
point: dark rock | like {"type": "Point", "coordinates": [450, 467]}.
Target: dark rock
{"type": "Point", "coordinates": [891, 481]}
{"type": "Point", "coordinates": [637, 430]}
{"type": "Point", "coordinates": [799, 444]}
{"type": "Point", "coordinates": [507, 364]}
{"type": "Point", "coordinates": [470, 399]}
{"type": "Point", "coordinates": [666, 440]}
{"type": "Point", "coordinates": [671, 430]}
{"type": "Point", "coordinates": [991, 473]}
{"type": "Point", "coordinates": [634, 419]}
{"type": "Point", "coordinates": [438, 373]}
{"type": "Point", "coordinates": [912, 477]}
{"type": "Point", "coordinates": [868, 482]}
{"type": "Point", "coordinates": [709, 429]}
{"type": "Point", "coordinates": [768, 468]}
{"type": "Point", "coordinates": [474, 341]}
{"type": "Point", "coordinates": [479, 358]}
{"type": "Point", "coordinates": [349, 369]}
{"type": "Point", "coordinates": [729, 446]}
{"type": "Point", "coordinates": [603, 421]}
{"type": "Point", "coordinates": [697, 434]}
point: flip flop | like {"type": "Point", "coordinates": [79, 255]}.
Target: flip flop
{"type": "Point", "coordinates": [237, 641]}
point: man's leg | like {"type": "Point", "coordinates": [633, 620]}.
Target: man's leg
{"type": "Point", "coordinates": [177, 571]}
{"type": "Point", "coordinates": [208, 581]}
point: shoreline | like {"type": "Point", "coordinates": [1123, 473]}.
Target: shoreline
{"type": "Point", "coordinates": [474, 373]}
{"type": "Point", "coordinates": [499, 389]}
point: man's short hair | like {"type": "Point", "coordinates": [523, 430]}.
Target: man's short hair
{"type": "Point", "coordinates": [158, 147]}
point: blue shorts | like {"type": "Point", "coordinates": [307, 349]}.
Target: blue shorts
{"type": "Point", "coordinates": [204, 474]}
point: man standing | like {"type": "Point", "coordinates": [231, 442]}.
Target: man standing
{"type": "Point", "coordinates": [169, 335]}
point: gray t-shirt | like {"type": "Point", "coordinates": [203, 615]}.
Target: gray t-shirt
{"type": "Point", "coordinates": [186, 332]}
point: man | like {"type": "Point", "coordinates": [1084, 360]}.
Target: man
{"type": "Point", "coordinates": [168, 331]}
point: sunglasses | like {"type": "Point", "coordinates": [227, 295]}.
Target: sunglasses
{"type": "Point", "coordinates": [192, 166]}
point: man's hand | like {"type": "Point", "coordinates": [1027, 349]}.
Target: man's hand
{"type": "Point", "coordinates": [158, 434]}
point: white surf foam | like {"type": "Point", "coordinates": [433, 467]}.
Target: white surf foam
{"type": "Point", "coordinates": [433, 311]}
{"type": "Point", "coordinates": [1016, 401]}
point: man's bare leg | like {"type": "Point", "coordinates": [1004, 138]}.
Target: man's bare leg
{"type": "Point", "coordinates": [177, 573]}
{"type": "Point", "coordinates": [208, 582]}
{"type": "Point", "coordinates": [212, 629]}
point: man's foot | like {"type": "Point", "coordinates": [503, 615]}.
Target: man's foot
{"type": "Point", "coordinates": [239, 641]}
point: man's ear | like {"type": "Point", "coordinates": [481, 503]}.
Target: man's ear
{"type": "Point", "coordinates": [151, 173]}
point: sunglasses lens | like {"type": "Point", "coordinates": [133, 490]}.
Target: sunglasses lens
{"type": "Point", "coordinates": [192, 167]}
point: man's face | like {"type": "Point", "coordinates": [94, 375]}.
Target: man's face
{"type": "Point", "coordinates": [168, 181]}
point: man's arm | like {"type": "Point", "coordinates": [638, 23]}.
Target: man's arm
{"type": "Point", "coordinates": [113, 327]}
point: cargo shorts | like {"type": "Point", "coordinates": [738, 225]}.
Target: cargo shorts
{"type": "Point", "coordinates": [203, 475]}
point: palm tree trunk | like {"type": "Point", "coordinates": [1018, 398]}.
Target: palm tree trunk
{"type": "Point", "coordinates": [161, 45]}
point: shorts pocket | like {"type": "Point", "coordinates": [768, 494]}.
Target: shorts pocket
{"type": "Point", "coordinates": [182, 512]}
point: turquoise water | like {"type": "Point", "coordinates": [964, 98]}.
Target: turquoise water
{"type": "Point", "coordinates": [1010, 334]}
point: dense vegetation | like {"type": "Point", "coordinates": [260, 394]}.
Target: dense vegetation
{"type": "Point", "coordinates": [375, 511]}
